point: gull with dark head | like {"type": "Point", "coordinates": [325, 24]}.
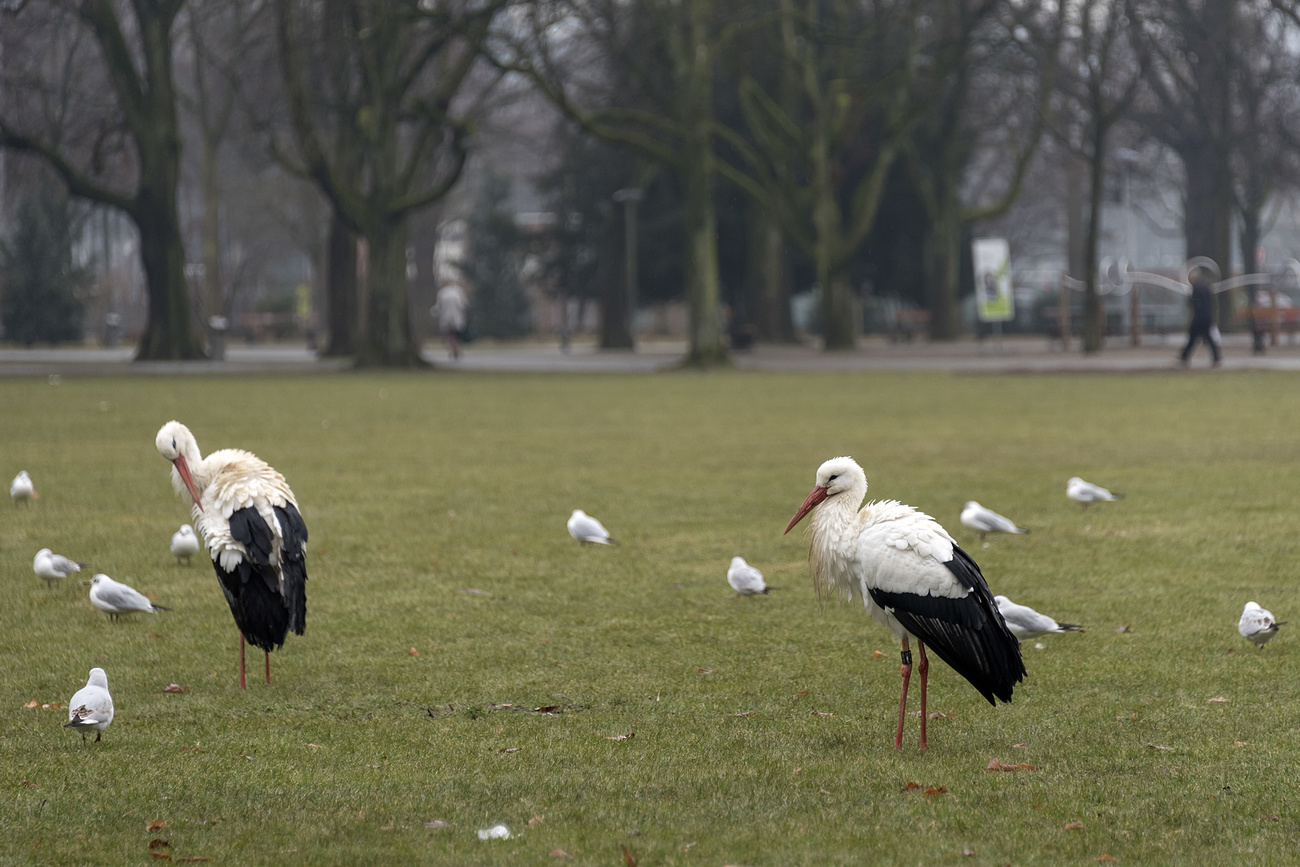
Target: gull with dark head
{"type": "Point", "coordinates": [983, 521]}
{"type": "Point", "coordinates": [1024, 622]}
{"type": "Point", "coordinates": [1257, 624]}
{"type": "Point", "coordinates": [91, 707]}
{"type": "Point", "coordinates": [256, 537]}
{"type": "Point", "coordinates": [913, 579]}
{"type": "Point", "coordinates": [1086, 493]}
{"type": "Point", "coordinates": [21, 489]}
{"type": "Point", "coordinates": [745, 579]}
{"type": "Point", "coordinates": [184, 544]}
{"type": "Point", "coordinates": [585, 529]}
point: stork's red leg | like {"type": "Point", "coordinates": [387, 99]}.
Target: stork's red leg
{"type": "Point", "coordinates": [268, 666]}
{"type": "Point", "coordinates": [906, 674]}
{"type": "Point", "coordinates": [924, 669]}
{"type": "Point", "coordinates": [241, 661]}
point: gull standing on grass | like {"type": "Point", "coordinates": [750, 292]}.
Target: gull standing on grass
{"type": "Point", "coordinates": [1257, 624]}
{"type": "Point", "coordinates": [21, 489]}
{"type": "Point", "coordinates": [982, 520]}
{"type": "Point", "coordinates": [52, 567]}
{"type": "Point", "coordinates": [256, 536]}
{"type": "Point", "coordinates": [1087, 493]}
{"type": "Point", "coordinates": [91, 707]}
{"type": "Point", "coordinates": [1024, 622]}
{"type": "Point", "coordinates": [184, 543]}
{"type": "Point", "coordinates": [118, 599]}
{"type": "Point", "coordinates": [745, 579]}
{"type": "Point", "coordinates": [585, 528]}
{"type": "Point", "coordinates": [913, 579]}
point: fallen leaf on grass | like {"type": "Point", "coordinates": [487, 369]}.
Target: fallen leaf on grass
{"type": "Point", "coordinates": [1268, 817]}
{"type": "Point", "coordinates": [934, 791]}
{"type": "Point", "coordinates": [536, 820]}
{"type": "Point", "coordinates": [175, 687]}
{"type": "Point", "coordinates": [439, 711]}
{"type": "Point", "coordinates": [626, 737]}
{"type": "Point", "coordinates": [54, 705]}
{"type": "Point", "coordinates": [1107, 858]}
{"type": "Point", "coordinates": [876, 654]}
{"type": "Point", "coordinates": [938, 714]}
{"type": "Point", "coordinates": [1123, 629]}
{"type": "Point", "coordinates": [910, 787]}
{"type": "Point", "coordinates": [1158, 747]}
{"type": "Point", "coordinates": [995, 765]}
{"type": "Point", "coordinates": [154, 635]}
{"type": "Point", "coordinates": [706, 670]}
{"type": "Point", "coordinates": [413, 652]}
{"type": "Point", "coordinates": [159, 844]}
{"type": "Point", "coordinates": [29, 783]}
{"type": "Point", "coordinates": [474, 591]}
{"type": "Point", "coordinates": [744, 713]}
{"type": "Point", "coordinates": [823, 713]}
{"type": "Point", "coordinates": [435, 824]}
{"type": "Point", "coordinates": [1217, 699]}
{"type": "Point", "coordinates": [32, 704]}
{"type": "Point", "coordinates": [1017, 746]}
{"type": "Point", "coordinates": [629, 860]}
{"type": "Point", "coordinates": [194, 859]}
{"type": "Point", "coordinates": [508, 750]}
{"type": "Point", "coordinates": [968, 853]}
{"type": "Point", "coordinates": [560, 853]}
{"type": "Point", "coordinates": [1074, 826]}
{"type": "Point", "coordinates": [156, 825]}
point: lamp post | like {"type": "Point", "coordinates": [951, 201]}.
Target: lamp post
{"type": "Point", "coordinates": [629, 197]}
{"type": "Point", "coordinates": [1128, 158]}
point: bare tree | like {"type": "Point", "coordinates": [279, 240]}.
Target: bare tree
{"type": "Point", "coordinates": [92, 93]}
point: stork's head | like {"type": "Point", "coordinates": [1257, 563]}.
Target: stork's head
{"type": "Point", "coordinates": [177, 444]}
{"type": "Point", "coordinates": [837, 477]}
{"type": "Point", "coordinates": [98, 677]}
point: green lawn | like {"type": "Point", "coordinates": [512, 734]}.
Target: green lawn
{"type": "Point", "coordinates": [762, 727]}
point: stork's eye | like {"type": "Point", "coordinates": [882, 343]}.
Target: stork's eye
{"type": "Point", "coordinates": [832, 478]}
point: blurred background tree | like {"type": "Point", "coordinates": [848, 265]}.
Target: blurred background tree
{"type": "Point", "coordinates": [40, 285]}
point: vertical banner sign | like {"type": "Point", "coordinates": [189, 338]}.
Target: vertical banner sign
{"type": "Point", "coordinates": [993, 299]}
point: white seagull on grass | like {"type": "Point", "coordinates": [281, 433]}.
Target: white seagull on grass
{"type": "Point", "coordinates": [1024, 622]}
{"type": "Point", "coordinates": [91, 707]}
{"type": "Point", "coordinates": [585, 528]}
{"type": "Point", "coordinates": [1087, 493]}
{"type": "Point", "coordinates": [118, 599]}
{"type": "Point", "coordinates": [184, 544]}
{"type": "Point", "coordinates": [21, 489]}
{"type": "Point", "coordinates": [52, 567]}
{"type": "Point", "coordinates": [1257, 624]}
{"type": "Point", "coordinates": [745, 579]}
{"type": "Point", "coordinates": [982, 520]}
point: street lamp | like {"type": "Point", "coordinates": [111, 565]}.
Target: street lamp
{"type": "Point", "coordinates": [629, 197]}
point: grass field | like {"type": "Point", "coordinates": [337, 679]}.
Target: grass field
{"type": "Point", "coordinates": [762, 727]}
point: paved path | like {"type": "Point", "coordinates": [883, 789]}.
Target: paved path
{"type": "Point", "coordinates": [1023, 355]}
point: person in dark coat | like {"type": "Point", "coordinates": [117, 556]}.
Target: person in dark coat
{"type": "Point", "coordinates": [1202, 325]}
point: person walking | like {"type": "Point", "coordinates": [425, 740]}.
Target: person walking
{"type": "Point", "coordinates": [450, 309]}
{"type": "Point", "coordinates": [1202, 325]}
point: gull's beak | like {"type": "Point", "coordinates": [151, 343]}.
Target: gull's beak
{"type": "Point", "coordinates": [818, 494]}
{"type": "Point", "coordinates": [184, 469]}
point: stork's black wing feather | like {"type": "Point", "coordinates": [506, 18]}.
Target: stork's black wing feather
{"type": "Point", "coordinates": [252, 588]}
{"type": "Point", "coordinates": [293, 560]}
{"type": "Point", "coordinates": [967, 633]}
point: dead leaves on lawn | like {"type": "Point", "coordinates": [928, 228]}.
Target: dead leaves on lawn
{"type": "Point", "coordinates": [927, 792]}
{"type": "Point", "coordinates": [996, 765]}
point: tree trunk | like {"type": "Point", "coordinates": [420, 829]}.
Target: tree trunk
{"type": "Point", "coordinates": [702, 288]}
{"type": "Point", "coordinates": [213, 298]}
{"type": "Point", "coordinates": [341, 288]}
{"type": "Point", "coordinates": [387, 340]}
{"type": "Point", "coordinates": [1207, 216]}
{"type": "Point", "coordinates": [944, 265]}
{"type": "Point", "coordinates": [1094, 313]}
{"type": "Point", "coordinates": [614, 333]}
{"type": "Point", "coordinates": [168, 333]}
{"type": "Point", "coordinates": [767, 279]}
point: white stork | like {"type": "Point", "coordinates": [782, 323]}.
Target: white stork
{"type": "Point", "coordinates": [1086, 493]}
{"type": "Point", "coordinates": [912, 578]}
{"type": "Point", "coordinates": [91, 707]}
{"type": "Point", "coordinates": [1024, 622]}
{"type": "Point", "coordinates": [257, 539]}
{"type": "Point", "coordinates": [21, 489]}
{"type": "Point", "coordinates": [184, 544]}
{"type": "Point", "coordinates": [1257, 624]}
{"type": "Point", "coordinates": [586, 529]}
{"type": "Point", "coordinates": [983, 521]}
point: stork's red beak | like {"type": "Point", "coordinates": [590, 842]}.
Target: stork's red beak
{"type": "Point", "coordinates": [184, 469]}
{"type": "Point", "coordinates": [818, 494]}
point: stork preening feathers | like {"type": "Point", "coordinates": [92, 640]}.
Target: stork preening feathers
{"type": "Point", "coordinates": [912, 578]}
{"type": "Point", "coordinates": [249, 518]}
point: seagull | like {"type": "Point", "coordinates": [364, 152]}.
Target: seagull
{"type": "Point", "coordinates": [52, 567]}
{"type": "Point", "coordinates": [585, 528]}
{"type": "Point", "coordinates": [983, 520]}
{"type": "Point", "coordinates": [21, 489]}
{"type": "Point", "coordinates": [184, 543]}
{"type": "Point", "coordinates": [1257, 624]}
{"type": "Point", "coordinates": [745, 579]}
{"type": "Point", "coordinates": [913, 579]}
{"type": "Point", "coordinates": [118, 599]}
{"type": "Point", "coordinates": [91, 707]}
{"type": "Point", "coordinates": [1024, 622]}
{"type": "Point", "coordinates": [1087, 493]}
